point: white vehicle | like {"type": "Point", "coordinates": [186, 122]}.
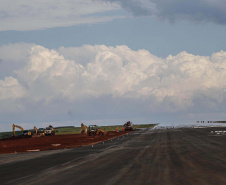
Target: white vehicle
{"type": "Point", "coordinates": [49, 130]}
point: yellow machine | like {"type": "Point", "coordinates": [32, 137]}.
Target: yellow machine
{"type": "Point", "coordinates": [38, 132]}
{"type": "Point", "coordinates": [35, 130]}
{"type": "Point", "coordinates": [25, 132]}
{"type": "Point", "coordinates": [83, 129]}
{"type": "Point", "coordinates": [95, 130]}
{"type": "Point", "coordinates": [92, 130]}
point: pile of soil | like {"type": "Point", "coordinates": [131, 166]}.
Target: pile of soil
{"type": "Point", "coordinates": [29, 144]}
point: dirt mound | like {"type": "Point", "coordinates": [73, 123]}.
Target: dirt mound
{"type": "Point", "coordinates": [26, 144]}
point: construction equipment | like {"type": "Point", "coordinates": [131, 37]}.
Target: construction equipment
{"type": "Point", "coordinates": [35, 130]}
{"type": "Point", "coordinates": [95, 130]}
{"type": "Point", "coordinates": [39, 132]}
{"type": "Point", "coordinates": [127, 126]}
{"type": "Point", "coordinates": [50, 130]}
{"type": "Point", "coordinates": [83, 129]}
{"type": "Point", "coordinates": [24, 132]}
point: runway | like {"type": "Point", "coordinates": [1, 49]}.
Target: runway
{"type": "Point", "coordinates": [151, 156]}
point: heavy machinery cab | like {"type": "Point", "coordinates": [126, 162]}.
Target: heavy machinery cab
{"type": "Point", "coordinates": [41, 131]}
{"type": "Point", "coordinates": [26, 133]}
{"type": "Point", "coordinates": [92, 130]}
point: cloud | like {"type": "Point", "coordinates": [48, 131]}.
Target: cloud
{"type": "Point", "coordinates": [121, 72]}
{"type": "Point", "coordinates": [194, 10]}
{"type": "Point", "coordinates": [15, 52]}
{"type": "Point", "coordinates": [10, 88]}
{"type": "Point", "coordinates": [41, 14]}
{"type": "Point", "coordinates": [49, 75]}
{"type": "Point", "coordinates": [26, 15]}
{"type": "Point", "coordinates": [94, 82]}
{"type": "Point", "coordinates": [13, 57]}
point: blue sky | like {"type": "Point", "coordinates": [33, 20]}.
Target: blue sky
{"type": "Point", "coordinates": [109, 61]}
{"type": "Point", "coordinates": [161, 38]}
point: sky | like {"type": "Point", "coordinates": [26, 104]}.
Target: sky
{"type": "Point", "coordinates": [110, 61]}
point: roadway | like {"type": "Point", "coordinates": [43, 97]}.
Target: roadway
{"type": "Point", "coordinates": [161, 156]}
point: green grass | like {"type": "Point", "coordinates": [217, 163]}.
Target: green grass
{"type": "Point", "coordinates": [111, 128]}
{"type": "Point", "coordinates": [68, 130]}
{"type": "Point", "coordinates": [9, 134]}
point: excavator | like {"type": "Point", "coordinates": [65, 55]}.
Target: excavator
{"type": "Point", "coordinates": [95, 130]}
{"type": "Point", "coordinates": [24, 133]}
{"type": "Point", "coordinates": [39, 132]}
{"type": "Point", "coordinates": [92, 130]}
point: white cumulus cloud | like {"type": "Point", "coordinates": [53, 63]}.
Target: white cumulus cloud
{"type": "Point", "coordinates": [13, 57]}
{"type": "Point", "coordinates": [121, 72]}
{"type": "Point", "coordinates": [10, 88]}
{"type": "Point", "coordinates": [101, 80]}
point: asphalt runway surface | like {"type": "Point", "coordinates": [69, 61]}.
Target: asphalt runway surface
{"type": "Point", "coordinates": [152, 156]}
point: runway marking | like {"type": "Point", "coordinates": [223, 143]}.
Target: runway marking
{"type": "Point", "coordinates": [36, 150]}
{"type": "Point", "coordinates": [56, 144]}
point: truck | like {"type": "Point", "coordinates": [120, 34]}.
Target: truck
{"type": "Point", "coordinates": [49, 130]}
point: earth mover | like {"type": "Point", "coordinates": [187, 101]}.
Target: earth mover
{"type": "Point", "coordinates": [24, 132]}
{"type": "Point", "coordinates": [95, 130]}
{"type": "Point", "coordinates": [128, 126]}
{"type": "Point", "coordinates": [38, 132]}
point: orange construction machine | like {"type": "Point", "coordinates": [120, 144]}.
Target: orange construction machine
{"type": "Point", "coordinates": [92, 130]}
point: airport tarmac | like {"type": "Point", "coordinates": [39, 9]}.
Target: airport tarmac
{"type": "Point", "coordinates": [151, 156]}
